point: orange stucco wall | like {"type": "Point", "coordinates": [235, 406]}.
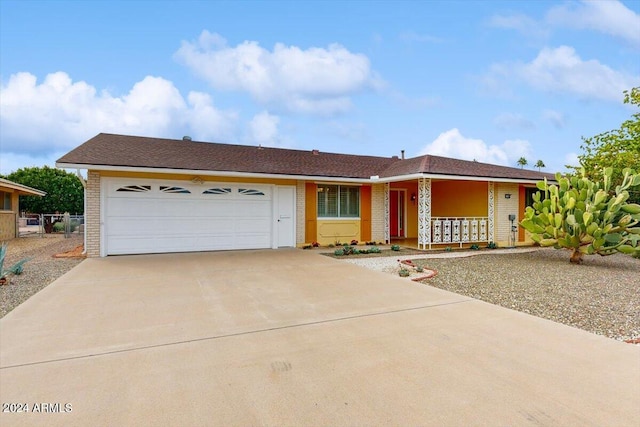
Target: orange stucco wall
{"type": "Point", "coordinates": [411, 187]}
{"type": "Point", "coordinates": [459, 198]}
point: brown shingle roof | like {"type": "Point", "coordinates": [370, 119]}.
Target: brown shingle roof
{"type": "Point", "coordinates": [436, 165]}
{"type": "Point", "coordinates": [157, 153]}
{"type": "Point", "coordinates": [134, 151]}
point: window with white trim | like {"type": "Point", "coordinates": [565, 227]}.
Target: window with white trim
{"type": "Point", "coordinates": [338, 201]}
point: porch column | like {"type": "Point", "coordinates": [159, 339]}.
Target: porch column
{"type": "Point", "coordinates": [424, 213]}
{"type": "Point", "coordinates": [387, 233]}
{"type": "Point", "coordinates": [491, 210]}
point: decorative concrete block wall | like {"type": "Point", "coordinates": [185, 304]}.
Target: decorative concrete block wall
{"type": "Point", "coordinates": [378, 216]}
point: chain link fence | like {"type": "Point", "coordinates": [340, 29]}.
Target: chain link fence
{"type": "Point", "coordinates": [41, 224]}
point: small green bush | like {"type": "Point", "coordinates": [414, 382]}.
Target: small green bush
{"type": "Point", "coordinates": [492, 245]}
{"type": "Point", "coordinates": [395, 247]}
{"type": "Point", "coordinates": [338, 252]}
{"type": "Point", "coordinates": [419, 269]}
{"type": "Point", "coordinates": [403, 272]}
{"type": "Point", "coordinates": [448, 249]}
{"type": "Point", "coordinates": [374, 250]}
{"type": "Point", "coordinates": [58, 227]}
{"type": "Point", "coordinates": [475, 247]}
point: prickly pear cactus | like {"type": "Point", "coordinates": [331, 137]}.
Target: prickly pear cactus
{"type": "Point", "coordinates": [586, 217]}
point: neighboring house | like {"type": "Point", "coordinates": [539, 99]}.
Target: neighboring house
{"type": "Point", "coordinates": [152, 195]}
{"type": "Point", "coordinates": [9, 206]}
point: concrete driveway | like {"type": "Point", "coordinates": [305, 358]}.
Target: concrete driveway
{"type": "Point", "coordinates": [292, 338]}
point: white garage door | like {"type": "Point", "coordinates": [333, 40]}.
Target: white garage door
{"type": "Point", "coordinates": [150, 216]}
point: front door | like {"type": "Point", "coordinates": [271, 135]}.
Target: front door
{"type": "Point", "coordinates": [284, 217]}
{"type": "Point", "coordinates": [397, 212]}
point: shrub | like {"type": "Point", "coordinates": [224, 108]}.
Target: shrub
{"type": "Point", "coordinates": [315, 244]}
{"type": "Point", "coordinates": [354, 242]}
{"type": "Point", "coordinates": [475, 247]}
{"type": "Point", "coordinates": [307, 246]}
{"type": "Point", "coordinates": [348, 250]}
{"type": "Point", "coordinates": [331, 245]}
{"type": "Point", "coordinates": [395, 247]}
{"type": "Point", "coordinates": [338, 252]}
{"type": "Point", "coordinates": [492, 245]}
{"type": "Point", "coordinates": [58, 227]}
{"type": "Point", "coordinates": [374, 250]}
{"type": "Point", "coordinates": [403, 272]}
{"type": "Point", "coordinates": [419, 269]}
{"type": "Point", "coordinates": [448, 249]}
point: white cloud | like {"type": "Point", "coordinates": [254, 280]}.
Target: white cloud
{"type": "Point", "coordinates": [609, 17]}
{"type": "Point", "coordinates": [263, 129]}
{"type": "Point", "coordinates": [453, 144]}
{"type": "Point", "coordinates": [55, 115]}
{"type": "Point", "coordinates": [522, 23]}
{"type": "Point", "coordinates": [562, 70]}
{"type": "Point", "coordinates": [556, 118]}
{"type": "Point", "coordinates": [507, 121]}
{"type": "Point", "coordinates": [315, 80]}
{"type": "Point", "coordinates": [571, 159]}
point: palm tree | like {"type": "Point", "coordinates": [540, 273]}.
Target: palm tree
{"type": "Point", "coordinates": [522, 162]}
{"type": "Point", "coordinates": [540, 164]}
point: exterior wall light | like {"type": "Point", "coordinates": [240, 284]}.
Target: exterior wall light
{"type": "Point", "coordinates": [507, 196]}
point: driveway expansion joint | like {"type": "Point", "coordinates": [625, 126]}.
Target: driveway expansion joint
{"type": "Point", "coordinates": [236, 334]}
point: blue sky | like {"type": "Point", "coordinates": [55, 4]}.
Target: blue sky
{"type": "Point", "coordinates": [484, 80]}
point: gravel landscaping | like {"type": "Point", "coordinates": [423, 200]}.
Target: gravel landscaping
{"type": "Point", "coordinates": [600, 296]}
{"type": "Point", "coordinates": [40, 271]}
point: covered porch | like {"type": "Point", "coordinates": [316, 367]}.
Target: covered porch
{"type": "Point", "coordinates": [428, 213]}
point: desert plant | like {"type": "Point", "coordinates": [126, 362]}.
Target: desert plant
{"type": "Point", "coordinates": [448, 249]}
{"type": "Point", "coordinates": [586, 217]}
{"type": "Point", "coordinates": [374, 250]}
{"type": "Point", "coordinates": [348, 250]}
{"type": "Point", "coordinates": [16, 268]}
{"type": "Point", "coordinates": [338, 252]}
{"type": "Point", "coordinates": [395, 247]}
{"type": "Point", "coordinates": [492, 245]}
{"type": "Point", "coordinates": [474, 247]}
{"type": "Point", "coordinates": [419, 269]}
{"type": "Point", "coordinates": [404, 272]}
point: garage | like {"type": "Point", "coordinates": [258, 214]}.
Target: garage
{"type": "Point", "coordinates": [157, 216]}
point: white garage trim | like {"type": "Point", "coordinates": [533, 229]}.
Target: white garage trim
{"type": "Point", "coordinates": [157, 216]}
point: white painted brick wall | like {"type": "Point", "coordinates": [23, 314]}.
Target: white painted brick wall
{"type": "Point", "coordinates": [92, 221]}
{"type": "Point", "coordinates": [503, 208]}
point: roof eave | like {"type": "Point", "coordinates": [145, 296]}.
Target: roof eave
{"type": "Point", "coordinates": [22, 190]}
{"type": "Point", "coordinates": [199, 172]}
{"type": "Point", "coordinates": [458, 178]}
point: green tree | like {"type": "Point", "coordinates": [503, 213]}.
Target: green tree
{"type": "Point", "coordinates": [586, 217]}
{"type": "Point", "coordinates": [64, 191]}
{"type": "Point", "coordinates": [540, 164]}
{"type": "Point", "coordinates": [617, 149]}
{"type": "Point", "coordinates": [522, 162]}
